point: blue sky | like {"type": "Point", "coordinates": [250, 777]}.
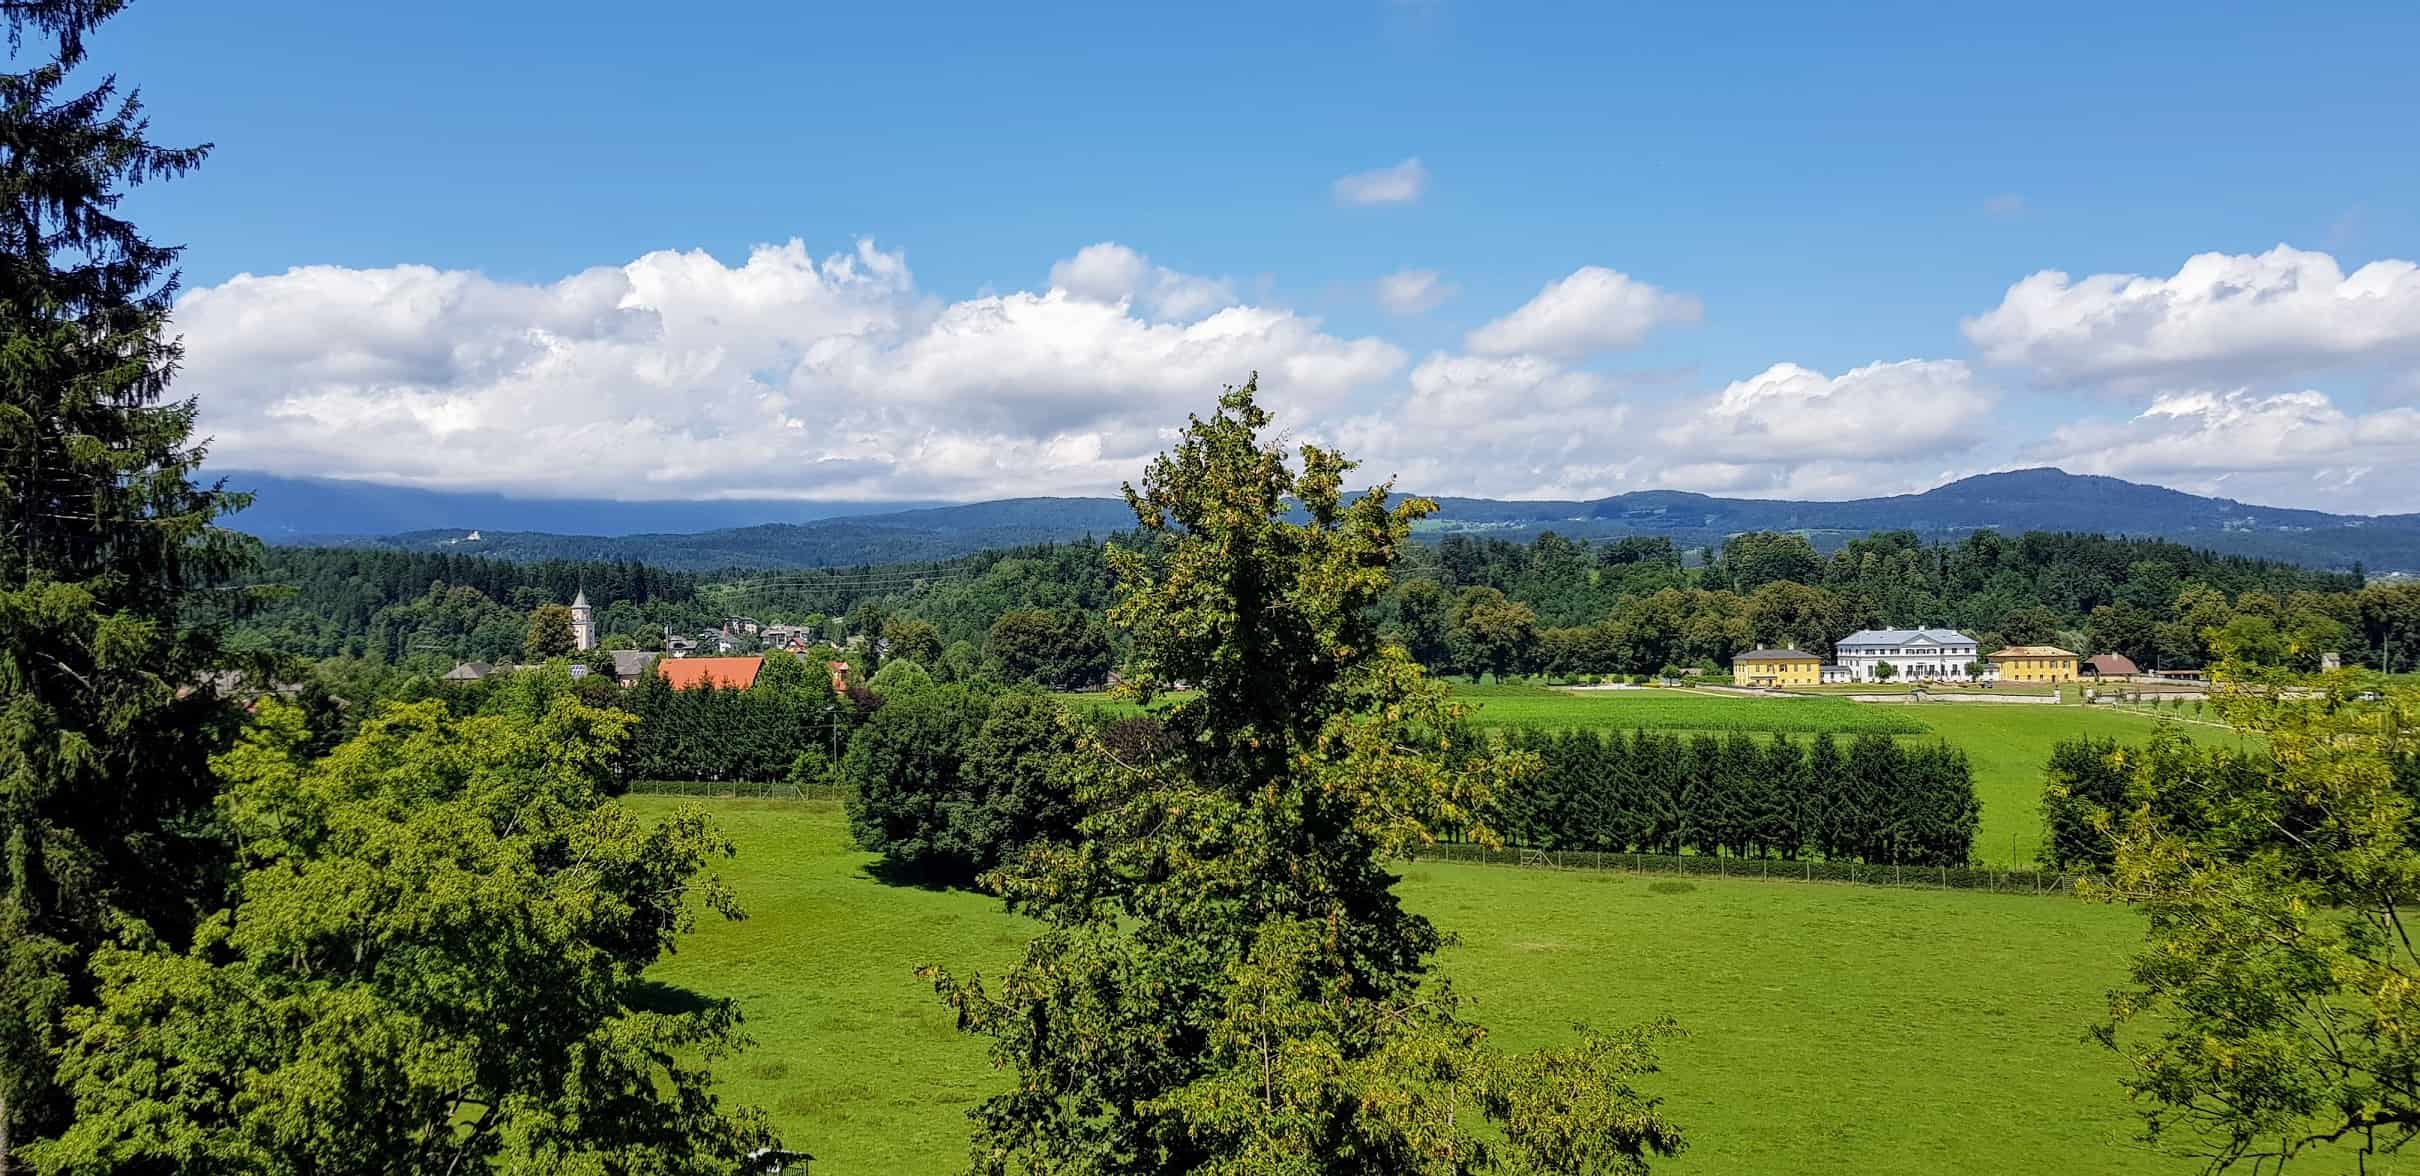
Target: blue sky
{"type": "Point", "coordinates": [1833, 187]}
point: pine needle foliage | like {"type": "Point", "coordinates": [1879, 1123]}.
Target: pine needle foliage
{"type": "Point", "coordinates": [106, 539]}
{"type": "Point", "coordinates": [1225, 981]}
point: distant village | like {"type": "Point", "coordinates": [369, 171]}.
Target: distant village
{"type": "Point", "coordinates": [726, 658]}
{"type": "Point", "coordinates": [729, 656]}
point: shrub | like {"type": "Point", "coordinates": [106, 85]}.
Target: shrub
{"type": "Point", "coordinates": [903, 777]}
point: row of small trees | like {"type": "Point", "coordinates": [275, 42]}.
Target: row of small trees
{"type": "Point", "coordinates": [756, 735]}
{"type": "Point", "coordinates": [1873, 801]}
{"type": "Point", "coordinates": [2091, 786]}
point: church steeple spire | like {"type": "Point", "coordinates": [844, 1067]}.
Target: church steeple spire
{"type": "Point", "coordinates": [583, 622]}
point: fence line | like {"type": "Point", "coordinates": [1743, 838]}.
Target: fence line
{"type": "Point", "coordinates": [776, 790]}
{"type": "Point", "coordinates": [1983, 878]}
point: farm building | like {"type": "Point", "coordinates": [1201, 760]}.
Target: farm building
{"type": "Point", "coordinates": [2034, 663]}
{"type": "Point", "coordinates": [2108, 665]}
{"type": "Point", "coordinates": [1776, 667]}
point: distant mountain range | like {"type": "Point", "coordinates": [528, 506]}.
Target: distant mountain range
{"type": "Point", "coordinates": [334, 510]}
{"type": "Point", "coordinates": [768, 533]}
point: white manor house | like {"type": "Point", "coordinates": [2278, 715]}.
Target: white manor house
{"type": "Point", "coordinates": [1912, 654]}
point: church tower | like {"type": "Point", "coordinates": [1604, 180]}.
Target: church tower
{"type": "Point", "coordinates": [583, 622]}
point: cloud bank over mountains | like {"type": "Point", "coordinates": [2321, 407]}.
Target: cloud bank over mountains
{"type": "Point", "coordinates": [678, 375]}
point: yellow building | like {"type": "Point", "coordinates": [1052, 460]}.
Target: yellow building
{"type": "Point", "coordinates": [1776, 667]}
{"type": "Point", "coordinates": [2034, 663]}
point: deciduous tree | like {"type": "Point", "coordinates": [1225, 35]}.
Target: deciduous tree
{"type": "Point", "coordinates": [549, 634]}
{"type": "Point", "coordinates": [432, 963]}
{"type": "Point", "coordinates": [1424, 619]}
{"type": "Point", "coordinates": [1060, 649]}
{"type": "Point", "coordinates": [907, 797]}
{"type": "Point", "coordinates": [1491, 634]}
{"type": "Point", "coordinates": [2269, 1017]}
{"type": "Point", "coordinates": [909, 639]}
{"type": "Point", "coordinates": [1758, 558]}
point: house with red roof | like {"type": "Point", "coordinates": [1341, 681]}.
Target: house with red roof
{"type": "Point", "coordinates": [722, 673]}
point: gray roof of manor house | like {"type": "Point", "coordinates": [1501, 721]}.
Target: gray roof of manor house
{"type": "Point", "coordinates": [1905, 636]}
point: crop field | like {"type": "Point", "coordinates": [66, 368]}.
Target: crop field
{"type": "Point", "coordinates": [1833, 1028]}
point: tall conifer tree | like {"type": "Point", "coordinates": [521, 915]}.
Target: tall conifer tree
{"type": "Point", "coordinates": [1224, 980]}
{"type": "Point", "coordinates": [105, 537]}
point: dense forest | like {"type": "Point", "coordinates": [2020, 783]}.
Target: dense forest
{"type": "Point", "coordinates": [421, 609]}
{"type": "Point", "coordinates": [1638, 604]}
{"type": "Point", "coordinates": [1554, 606]}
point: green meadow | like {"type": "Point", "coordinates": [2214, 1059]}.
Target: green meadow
{"type": "Point", "coordinates": [1833, 1028]}
{"type": "Point", "coordinates": [2006, 743]}
{"type": "Point", "coordinates": [1552, 708]}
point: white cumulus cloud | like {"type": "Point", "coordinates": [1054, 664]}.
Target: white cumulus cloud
{"type": "Point", "coordinates": [1110, 272]}
{"type": "Point", "coordinates": [2290, 448]}
{"type": "Point", "coordinates": [2223, 314]}
{"type": "Point", "coordinates": [1400, 184]}
{"type": "Point", "coordinates": [1593, 309]}
{"type": "Point", "coordinates": [681, 375]}
{"type": "Point", "coordinates": [1789, 414]}
{"type": "Point", "coordinates": [677, 375]}
{"type": "Point", "coordinates": [1517, 426]}
{"type": "Point", "coordinates": [1413, 291]}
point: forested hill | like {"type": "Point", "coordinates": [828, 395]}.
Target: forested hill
{"type": "Point", "coordinates": [903, 537]}
{"type": "Point", "coordinates": [2011, 503]}
{"type": "Point", "coordinates": [1467, 603]}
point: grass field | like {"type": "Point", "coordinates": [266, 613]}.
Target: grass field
{"type": "Point", "coordinates": [1834, 1029]}
{"type": "Point", "coordinates": [2007, 744]}
{"type": "Point", "coordinates": [1676, 710]}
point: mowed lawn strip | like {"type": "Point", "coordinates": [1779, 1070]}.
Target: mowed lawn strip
{"type": "Point", "coordinates": [1550, 708]}
{"type": "Point", "coordinates": [1835, 1029]}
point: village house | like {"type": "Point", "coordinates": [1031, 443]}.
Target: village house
{"type": "Point", "coordinates": [722, 673]}
{"type": "Point", "coordinates": [628, 664]}
{"type": "Point", "coordinates": [1912, 654]}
